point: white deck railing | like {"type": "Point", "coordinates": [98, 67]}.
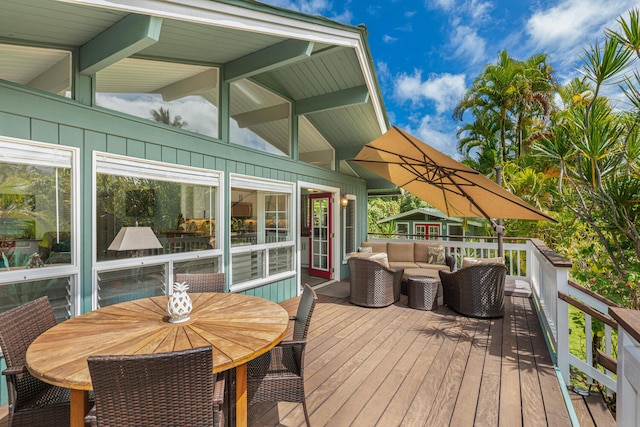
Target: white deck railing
{"type": "Point", "coordinates": [553, 292]}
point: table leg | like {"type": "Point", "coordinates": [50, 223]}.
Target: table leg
{"type": "Point", "coordinates": [241, 395]}
{"type": "Point", "coordinates": [79, 407]}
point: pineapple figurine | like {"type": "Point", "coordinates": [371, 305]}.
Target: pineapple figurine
{"type": "Point", "coordinates": [179, 305]}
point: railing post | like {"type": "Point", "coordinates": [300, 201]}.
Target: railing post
{"type": "Point", "coordinates": [562, 322]}
{"type": "Point", "coordinates": [628, 386]}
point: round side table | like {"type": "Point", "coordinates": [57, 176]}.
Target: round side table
{"type": "Point", "coordinates": [422, 292]}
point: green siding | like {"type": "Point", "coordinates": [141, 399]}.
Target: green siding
{"type": "Point", "coordinates": [39, 116]}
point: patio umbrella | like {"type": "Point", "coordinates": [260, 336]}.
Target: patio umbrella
{"type": "Point", "coordinates": [441, 181]}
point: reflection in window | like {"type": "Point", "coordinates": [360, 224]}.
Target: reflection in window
{"type": "Point", "coordinates": [44, 69]}
{"type": "Point", "coordinates": [181, 215]}
{"type": "Point", "coordinates": [35, 216]}
{"type": "Point", "coordinates": [261, 230]}
{"type": "Point", "coordinates": [313, 148]}
{"type": "Point", "coordinates": [178, 203]}
{"type": "Point", "coordinates": [259, 118]}
{"type": "Point", "coordinates": [350, 243]}
{"type": "Point", "coordinates": [178, 95]}
{"type": "Point", "coordinates": [37, 225]}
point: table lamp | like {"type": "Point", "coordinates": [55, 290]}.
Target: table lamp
{"type": "Point", "coordinates": [135, 239]}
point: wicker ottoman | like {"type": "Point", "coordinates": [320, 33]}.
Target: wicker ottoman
{"type": "Point", "coordinates": [422, 292]}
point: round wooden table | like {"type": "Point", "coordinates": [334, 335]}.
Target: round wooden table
{"type": "Point", "coordinates": [239, 327]}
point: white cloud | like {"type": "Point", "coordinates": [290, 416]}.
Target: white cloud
{"type": "Point", "coordinates": [389, 39]}
{"type": "Point", "coordinates": [571, 25]}
{"type": "Point", "coordinates": [436, 132]}
{"type": "Point", "coordinates": [468, 44]}
{"type": "Point", "coordinates": [445, 90]}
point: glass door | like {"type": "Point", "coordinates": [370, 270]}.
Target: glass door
{"type": "Point", "coordinates": [320, 235]}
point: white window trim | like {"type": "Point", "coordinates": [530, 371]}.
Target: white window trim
{"type": "Point", "coordinates": [114, 164]}
{"type": "Point", "coordinates": [15, 150]}
{"type": "Point", "coordinates": [271, 186]}
{"type": "Point", "coordinates": [344, 227]}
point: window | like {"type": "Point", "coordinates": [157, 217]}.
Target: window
{"type": "Point", "coordinates": [259, 118]}
{"type": "Point", "coordinates": [179, 95]}
{"type": "Point", "coordinates": [349, 220]}
{"type": "Point", "coordinates": [38, 225]}
{"type": "Point", "coordinates": [402, 228]}
{"type": "Point", "coordinates": [313, 148]}
{"type": "Point", "coordinates": [261, 231]}
{"type": "Point", "coordinates": [179, 204]}
{"type": "Point", "coordinates": [44, 69]}
{"type": "Point", "coordinates": [428, 231]}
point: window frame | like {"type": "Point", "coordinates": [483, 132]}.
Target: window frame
{"type": "Point", "coordinates": [155, 170]}
{"type": "Point", "coordinates": [266, 186]}
{"type": "Point", "coordinates": [345, 251]}
{"type": "Point", "coordinates": [24, 151]}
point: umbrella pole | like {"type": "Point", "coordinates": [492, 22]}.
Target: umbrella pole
{"type": "Point", "coordinates": [499, 228]}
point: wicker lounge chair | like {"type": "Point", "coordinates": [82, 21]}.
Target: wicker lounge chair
{"type": "Point", "coordinates": [203, 282]}
{"type": "Point", "coordinates": [162, 389]}
{"type": "Point", "coordinates": [31, 402]}
{"type": "Point", "coordinates": [475, 291]}
{"type": "Point", "coordinates": [372, 284]}
{"type": "Point", "coordinates": [278, 375]}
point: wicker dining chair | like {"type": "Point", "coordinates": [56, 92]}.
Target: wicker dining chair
{"type": "Point", "coordinates": [203, 282]}
{"type": "Point", "coordinates": [372, 284]}
{"type": "Point", "coordinates": [31, 402]}
{"type": "Point", "coordinates": [162, 389]}
{"type": "Point", "coordinates": [475, 291]}
{"type": "Point", "coordinates": [278, 375]}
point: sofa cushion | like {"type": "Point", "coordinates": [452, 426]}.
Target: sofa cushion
{"type": "Point", "coordinates": [435, 267]}
{"type": "Point", "coordinates": [375, 246]}
{"type": "Point", "coordinates": [421, 250]}
{"type": "Point", "coordinates": [365, 249]}
{"type": "Point", "coordinates": [403, 264]}
{"type": "Point", "coordinates": [400, 252]}
{"type": "Point", "coordinates": [467, 262]}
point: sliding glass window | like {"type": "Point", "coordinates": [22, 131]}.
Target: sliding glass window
{"type": "Point", "coordinates": [261, 231]}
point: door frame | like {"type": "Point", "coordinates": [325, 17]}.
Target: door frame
{"type": "Point", "coordinates": [321, 272]}
{"type": "Point", "coordinates": [335, 225]}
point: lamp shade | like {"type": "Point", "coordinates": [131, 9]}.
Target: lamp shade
{"type": "Point", "coordinates": [134, 239]}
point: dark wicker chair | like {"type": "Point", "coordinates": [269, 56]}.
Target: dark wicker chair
{"type": "Point", "coordinates": [372, 284]}
{"type": "Point", "coordinates": [475, 291]}
{"type": "Point", "coordinates": [31, 402]}
{"type": "Point", "coordinates": [162, 389]}
{"type": "Point", "coordinates": [203, 282]}
{"type": "Point", "coordinates": [278, 375]}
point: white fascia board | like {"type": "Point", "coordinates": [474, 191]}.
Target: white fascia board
{"type": "Point", "coordinates": [244, 19]}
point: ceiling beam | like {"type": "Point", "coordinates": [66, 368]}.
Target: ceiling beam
{"type": "Point", "coordinates": [329, 101]}
{"type": "Point", "coordinates": [267, 59]}
{"type": "Point", "coordinates": [194, 85]}
{"type": "Point", "coordinates": [263, 115]}
{"type": "Point", "coordinates": [130, 35]}
{"type": "Point", "coordinates": [55, 78]}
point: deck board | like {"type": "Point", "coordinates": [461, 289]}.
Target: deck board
{"type": "Point", "coordinates": [396, 366]}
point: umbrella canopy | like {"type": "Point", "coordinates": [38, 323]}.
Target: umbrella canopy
{"type": "Point", "coordinates": [441, 181]}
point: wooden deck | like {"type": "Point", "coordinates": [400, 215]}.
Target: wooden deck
{"type": "Point", "coordinates": [397, 366]}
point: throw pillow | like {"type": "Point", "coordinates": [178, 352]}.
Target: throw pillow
{"type": "Point", "coordinates": [467, 262]}
{"type": "Point", "coordinates": [365, 249]}
{"type": "Point", "coordinates": [380, 257]}
{"type": "Point", "coordinates": [436, 255]}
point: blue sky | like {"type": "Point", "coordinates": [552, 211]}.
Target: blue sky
{"type": "Point", "coordinates": [428, 52]}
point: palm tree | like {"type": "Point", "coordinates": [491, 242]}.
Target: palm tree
{"type": "Point", "coordinates": [512, 93]}
{"type": "Point", "coordinates": [162, 115]}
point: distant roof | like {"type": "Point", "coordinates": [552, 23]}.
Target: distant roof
{"type": "Point", "coordinates": [420, 213]}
